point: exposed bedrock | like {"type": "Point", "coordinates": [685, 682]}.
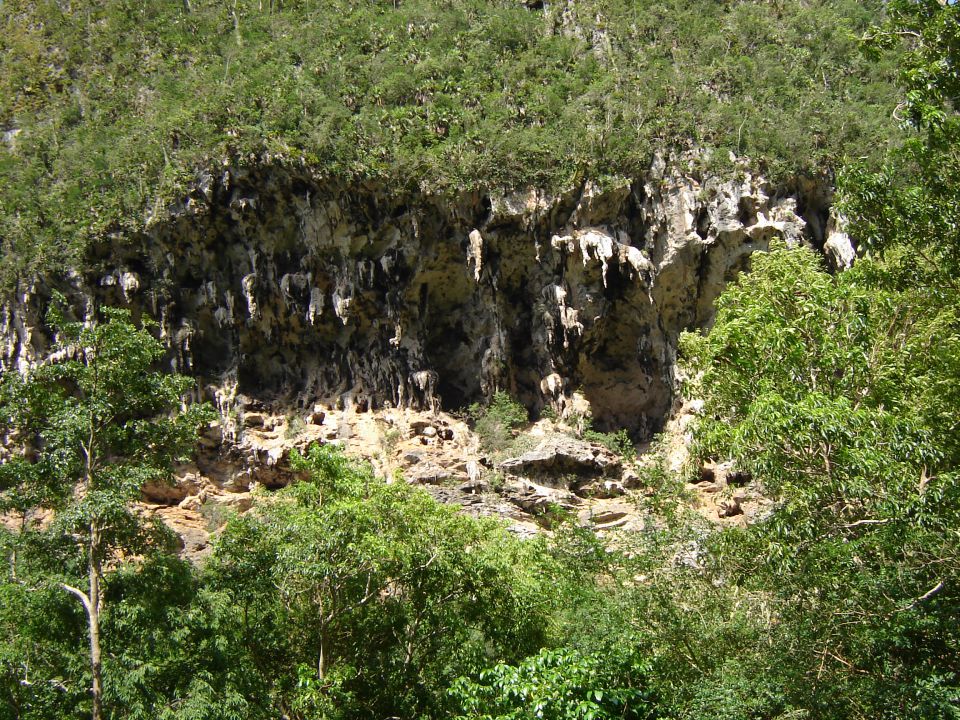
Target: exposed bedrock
{"type": "Point", "coordinates": [289, 291]}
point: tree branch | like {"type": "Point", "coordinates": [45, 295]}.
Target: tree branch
{"type": "Point", "coordinates": [865, 522]}
{"type": "Point", "coordinates": [80, 594]}
{"type": "Point", "coordinates": [927, 595]}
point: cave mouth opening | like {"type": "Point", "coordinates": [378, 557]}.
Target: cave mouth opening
{"type": "Point", "coordinates": [454, 397]}
{"type": "Point", "coordinates": [457, 361]}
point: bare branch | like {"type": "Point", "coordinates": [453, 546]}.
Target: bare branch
{"type": "Point", "coordinates": [866, 522]}
{"type": "Point", "coordinates": [927, 595]}
{"type": "Point", "coordinates": [80, 594]}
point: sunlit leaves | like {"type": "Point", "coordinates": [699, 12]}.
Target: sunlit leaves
{"type": "Point", "coordinates": [837, 392]}
{"type": "Point", "coordinates": [554, 685]}
{"type": "Point", "coordinates": [84, 431]}
{"type": "Point", "coordinates": [369, 595]}
{"type": "Point", "coordinates": [908, 210]}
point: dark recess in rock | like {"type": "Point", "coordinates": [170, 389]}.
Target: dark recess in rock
{"type": "Point", "coordinates": [293, 290]}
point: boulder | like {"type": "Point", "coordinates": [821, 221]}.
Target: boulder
{"type": "Point", "coordinates": [604, 516]}
{"type": "Point", "coordinates": [565, 462]}
{"type": "Point", "coordinates": [730, 508]}
{"type": "Point", "coordinates": [599, 489]}
{"type": "Point", "coordinates": [538, 499]}
{"type": "Point", "coordinates": [253, 419]}
{"type": "Point", "coordinates": [427, 472]}
{"type": "Point", "coordinates": [631, 479]}
{"type": "Point", "coordinates": [173, 492]}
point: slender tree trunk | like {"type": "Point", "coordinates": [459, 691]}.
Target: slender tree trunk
{"type": "Point", "coordinates": [95, 570]}
{"type": "Point", "coordinates": [93, 616]}
{"type": "Point", "coordinates": [92, 603]}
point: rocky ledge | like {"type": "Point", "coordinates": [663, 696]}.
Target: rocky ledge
{"type": "Point", "coordinates": [309, 309]}
{"type": "Point", "coordinates": [276, 286]}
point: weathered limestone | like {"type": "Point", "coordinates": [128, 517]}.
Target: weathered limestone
{"type": "Point", "coordinates": [275, 285]}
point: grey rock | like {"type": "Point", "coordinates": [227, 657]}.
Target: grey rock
{"type": "Point", "coordinates": [565, 462]}
{"type": "Point", "coordinates": [474, 487]}
{"type": "Point", "coordinates": [631, 480]}
{"type": "Point", "coordinates": [173, 492]}
{"type": "Point", "coordinates": [428, 472]}
{"type": "Point", "coordinates": [604, 489]}
{"type": "Point", "coordinates": [419, 425]}
{"type": "Point", "coordinates": [412, 458]}
{"type": "Point", "coordinates": [276, 284]}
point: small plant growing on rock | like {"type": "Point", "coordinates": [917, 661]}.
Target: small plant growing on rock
{"type": "Point", "coordinates": [294, 427]}
{"type": "Point", "coordinates": [495, 423]}
{"type": "Point", "coordinates": [215, 515]}
{"type": "Point", "coordinates": [549, 413]}
{"type": "Point", "coordinates": [618, 442]}
{"type": "Point", "coordinates": [497, 481]}
{"type": "Point", "coordinates": [391, 438]}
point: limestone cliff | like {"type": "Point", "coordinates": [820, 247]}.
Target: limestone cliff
{"type": "Point", "coordinates": [276, 288]}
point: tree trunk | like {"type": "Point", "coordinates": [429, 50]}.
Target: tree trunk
{"type": "Point", "coordinates": [92, 603]}
{"type": "Point", "coordinates": [93, 616]}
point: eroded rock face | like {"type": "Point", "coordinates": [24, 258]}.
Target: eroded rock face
{"type": "Point", "coordinates": [273, 285]}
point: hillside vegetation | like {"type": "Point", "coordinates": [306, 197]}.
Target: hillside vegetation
{"type": "Point", "coordinates": [110, 109]}
{"type": "Point", "coordinates": [342, 597]}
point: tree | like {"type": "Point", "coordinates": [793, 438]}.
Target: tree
{"type": "Point", "coordinates": [838, 371]}
{"type": "Point", "coordinates": [90, 426]}
{"type": "Point", "coordinates": [558, 684]}
{"type": "Point", "coordinates": [365, 599]}
{"type": "Point", "coordinates": [910, 208]}
{"type": "Point", "coordinates": [838, 396]}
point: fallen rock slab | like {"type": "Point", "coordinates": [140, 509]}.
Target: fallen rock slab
{"type": "Point", "coordinates": [560, 462]}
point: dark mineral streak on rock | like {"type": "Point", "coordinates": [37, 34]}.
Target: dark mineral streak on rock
{"type": "Point", "coordinates": [277, 286]}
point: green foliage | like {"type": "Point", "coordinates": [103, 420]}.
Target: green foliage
{"type": "Point", "coordinates": [42, 674]}
{"type": "Point", "coordinates": [99, 415]}
{"type": "Point", "coordinates": [842, 370]}
{"type": "Point", "coordinates": [838, 392]}
{"type": "Point", "coordinates": [495, 423]}
{"type": "Point", "coordinates": [344, 597]}
{"type": "Point", "coordinates": [175, 655]}
{"type": "Point", "coordinates": [363, 599]}
{"type": "Point", "coordinates": [835, 394]}
{"type": "Point", "coordinates": [909, 210]}
{"type": "Point", "coordinates": [618, 442]}
{"type": "Point", "coordinates": [84, 432]}
{"type": "Point", "coordinates": [560, 684]}
{"type": "Point", "coordinates": [294, 427]}
{"type": "Point", "coordinates": [118, 105]}
{"type": "Point", "coordinates": [391, 438]}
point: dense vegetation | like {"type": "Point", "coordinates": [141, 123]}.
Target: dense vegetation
{"type": "Point", "coordinates": [343, 597]}
{"type": "Point", "coordinates": [111, 109]}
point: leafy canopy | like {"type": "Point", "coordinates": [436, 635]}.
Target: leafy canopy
{"type": "Point", "coordinates": [369, 599]}
{"type": "Point", "coordinates": [909, 209]}
{"type": "Point", "coordinates": [839, 396]}
{"type": "Point", "coordinates": [98, 413]}
{"type": "Point", "coordinates": [83, 431]}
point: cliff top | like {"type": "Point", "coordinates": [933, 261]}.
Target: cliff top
{"type": "Point", "coordinates": [108, 110]}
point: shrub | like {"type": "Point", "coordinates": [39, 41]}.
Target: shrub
{"type": "Point", "coordinates": [495, 423]}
